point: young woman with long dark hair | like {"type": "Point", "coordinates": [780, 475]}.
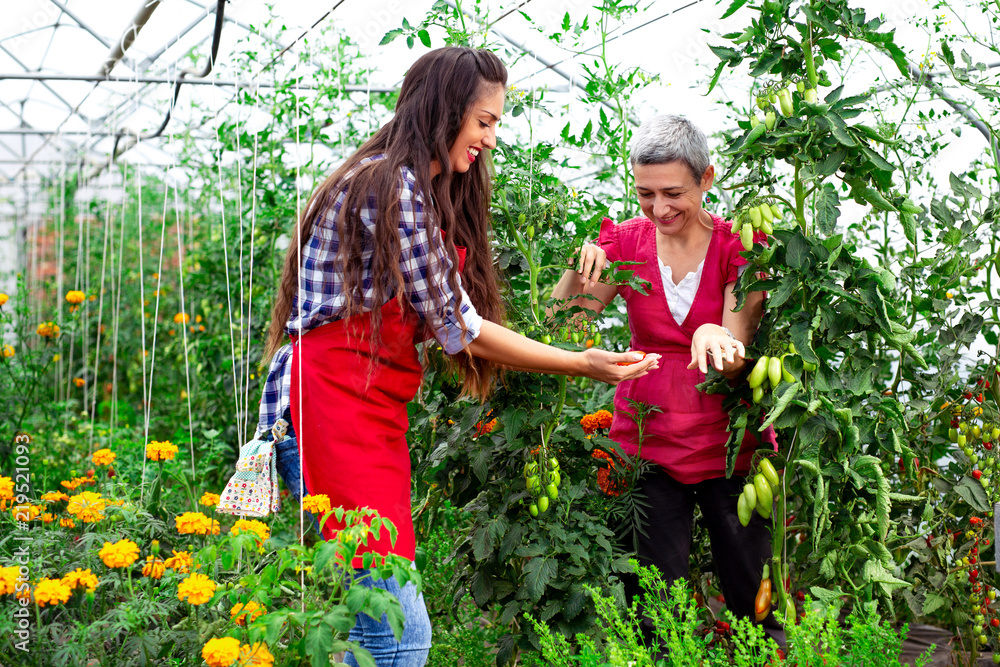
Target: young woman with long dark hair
{"type": "Point", "coordinates": [393, 248]}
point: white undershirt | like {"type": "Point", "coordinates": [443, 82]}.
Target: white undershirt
{"type": "Point", "coordinates": [680, 296]}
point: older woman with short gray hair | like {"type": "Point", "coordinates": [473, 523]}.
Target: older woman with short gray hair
{"type": "Point", "coordinates": [691, 260]}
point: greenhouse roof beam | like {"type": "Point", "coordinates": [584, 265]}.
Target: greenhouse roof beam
{"type": "Point", "coordinates": [32, 76]}
{"type": "Point", "coordinates": [146, 9]}
{"type": "Point", "coordinates": [49, 88]}
{"type": "Point", "coordinates": [83, 24]}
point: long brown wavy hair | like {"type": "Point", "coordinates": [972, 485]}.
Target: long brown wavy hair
{"type": "Point", "coordinates": [437, 94]}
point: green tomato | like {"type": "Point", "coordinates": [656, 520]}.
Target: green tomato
{"type": "Point", "coordinates": [758, 393]}
{"type": "Point", "coordinates": [553, 463]}
{"type": "Point", "coordinates": [774, 371]}
{"type": "Point", "coordinates": [554, 476]}
{"type": "Point", "coordinates": [800, 86]}
{"type": "Point", "coordinates": [770, 118]}
{"type": "Point", "coordinates": [758, 373]}
{"type": "Point", "coordinates": [552, 491]}
{"type": "Point", "coordinates": [543, 504]}
{"type": "Point", "coordinates": [754, 120]}
{"type": "Point", "coordinates": [746, 237]}
{"type": "Point", "coordinates": [810, 96]}
{"type": "Point", "coordinates": [533, 509]}
{"type": "Point", "coordinates": [750, 494]}
{"type": "Point", "coordinates": [530, 468]}
{"type": "Point", "coordinates": [961, 440]}
{"type": "Point", "coordinates": [809, 366]}
{"type": "Point", "coordinates": [743, 510]}
{"type": "Point", "coordinates": [546, 339]}
{"type": "Point", "coordinates": [532, 483]}
{"type": "Point", "coordinates": [755, 217]}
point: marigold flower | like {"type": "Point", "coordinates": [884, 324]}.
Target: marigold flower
{"type": "Point", "coordinates": [6, 488]}
{"type": "Point", "coordinates": [589, 424]}
{"type": "Point", "coordinates": [249, 612]}
{"type": "Point", "coordinates": [87, 506]}
{"type": "Point", "coordinates": [181, 561]}
{"type": "Point", "coordinates": [197, 588]}
{"type": "Point", "coordinates": [209, 499]}
{"type": "Point", "coordinates": [67, 523]}
{"type": "Point", "coordinates": [8, 351]}
{"type": "Point", "coordinates": [48, 517]}
{"type": "Point", "coordinates": [317, 504]}
{"type": "Point", "coordinates": [3, 298]}
{"type": "Point", "coordinates": [257, 655]}
{"type": "Point", "coordinates": [8, 579]}
{"type": "Point", "coordinates": [154, 567]}
{"type": "Point", "coordinates": [258, 528]}
{"type": "Point", "coordinates": [182, 318]}
{"type": "Point", "coordinates": [51, 591]}
{"type": "Point", "coordinates": [54, 496]}
{"type": "Point", "coordinates": [25, 512]}
{"type": "Point", "coordinates": [103, 457]}
{"type": "Point", "coordinates": [120, 554]}
{"type": "Point", "coordinates": [221, 651]}
{"type": "Point", "coordinates": [161, 451]}
{"type": "Point", "coordinates": [604, 418]}
{"type": "Point", "coordinates": [609, 478]}
{"type": "Point", "coordinates": [196, 523]}
{"type": "Point", "coordinates": [79, 578]}
{"type": "Point", "coordinates": [75, 297]}
{"type": "Point", "coordinates": [47, 330]}
{"type": "Point", "coordinates": [484, 429]}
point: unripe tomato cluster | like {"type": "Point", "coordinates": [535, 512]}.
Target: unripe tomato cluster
{"type": "Point", "coordinates": [780, 96]}
{"type": "Point", "coordinates": [761, 217]}
{"type": "Point", "coordinates": [585, 335]}
{"type": "Point", "coordinates": [982, 600]}
{"type": "Point", "coordinates": [772, 370]}
{"type": "Point", "coordinates": [977, 439]}
{"type": "Point", "coordinates": [542, 483]}
{"type": "Point", "coordinates": [759, 493]}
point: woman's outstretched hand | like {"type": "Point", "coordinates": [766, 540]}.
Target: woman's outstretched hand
{"type": "Point", "coordinates": [615, 367]}
{"type": "Point", "coordinates": [712, 340]}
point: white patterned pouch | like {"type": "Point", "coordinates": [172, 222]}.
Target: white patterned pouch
{"type": "Point", "coordinates": [253, 490]}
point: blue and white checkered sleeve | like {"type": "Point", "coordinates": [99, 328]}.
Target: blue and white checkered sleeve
{"type": "Point", "coordinates": [415, 257]}
{"type": "Point", "coordinates": [277, 389]}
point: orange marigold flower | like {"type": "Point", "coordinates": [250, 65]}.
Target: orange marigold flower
{"type": "Point", "coordinates": [604, 418]}
{"type": "Point", "coordinates": [196, 523]}
{"type": "Point", "coordinates": [257, 655]}
{"type": "Point", "coordinates": [103, 457]}
{"type": "Point", "coordinates": [209, 499]}
{"type": "Point", "coordinates": [182, 318]}
{"type": "Point", "coordinates": [79, 382]}
{"type": "Point", "coordinates": [51, 591]}
{"type": "Point", "coordinates": [161, 451]}
{"type": "Point", "coordinates": [8, 579]}
{"type": "Point", "coordinates": [54, 496]}
{"type": "Point", "coordinates": [48, 517]}
{"type": "Point", "coordinates": [67, 523]}
{"type": "Point", "coordinates": [221, 651]}
{"type": "Point", "coordinates": [589, 424]}
{"type": "Point", "coordinates": [120, 554]}
{"type": "Point", "coordinates": [6, 488]}
{"type": "Point", "coordinates": [258, 528]}
{"type": "Point", "coordinates": [87, 506]}
{"type": "Point", "coordinates": [181, 561]}
{"type": "Point", "coordinates": [483, 429]}
{"type": "Point", "coordinates": [75, 297]}
{"type": "Point", "coordinates": [47, 330]}
{"type": "Point", "coordinates": [249, 612]}
{"type": "Point", "coordinates": [80, 579]}
{"type": "Point", "coordinates": [608, 477]}
{"type": "Point", "coordinates": [8, 351]}
{"type": "Point", "coordinates": [197, 589]}
{"type": "Point", "coordinates": [153, 568]}
{"type": "Point", "coordinates": [317, 504]}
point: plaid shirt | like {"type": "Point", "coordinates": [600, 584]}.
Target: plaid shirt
{"type": "Point", "coordinates": [322, 298]}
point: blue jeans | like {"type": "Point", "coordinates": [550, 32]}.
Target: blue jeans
{"type": "Point", "coordinates": [377, 637]}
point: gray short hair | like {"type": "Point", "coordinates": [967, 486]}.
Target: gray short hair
{"type": "Point", "coordinates": [668, 138]}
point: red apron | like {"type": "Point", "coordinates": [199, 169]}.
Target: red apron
{"type": "Point", "coordinates": [350, 416]}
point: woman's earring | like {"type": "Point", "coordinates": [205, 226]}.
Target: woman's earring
{"type": "Point", "coordinates": [708, 198]}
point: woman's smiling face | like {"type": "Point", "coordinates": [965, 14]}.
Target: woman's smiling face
{"type": "Point", "coordinates": [670, 196]}
{"type": "Point", "coordinates": [479, 130]}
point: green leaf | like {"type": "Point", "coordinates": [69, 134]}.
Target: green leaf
{"type": "Point", "coordinates": [786, 395]}
{"type": "Point", "coordinates": [537, 575]}
{"type": "Point", "coordinates": [827, 205]}
{"type": "Point", "coordinates": [973, 493]}
{"type": "Point", "coordinates": [425, 38]}
{"type": "Point", "coordinates": [726, 53]}
{"type": "Point", "coordinates": [874, 572]}
{"type": "Point", "coordinates": [871, 468]}
{"type": "Point", "coordinates": [513, 421]}
{"type": "Point", "coordinates": [767, 60]}
{"type": "Point", "coordinates": [736, 4]}
{"type": "Point", "coordinates": [390, 36]}
{"type": "Point", "coordinates": [932, 603]}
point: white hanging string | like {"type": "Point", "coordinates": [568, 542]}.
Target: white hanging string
{"type": "Point", "coordinates": [242, 413]}
{"type": "Point", "coordinates": [253, 230]}
{"type": "Point", "coordinates": [60, 390]}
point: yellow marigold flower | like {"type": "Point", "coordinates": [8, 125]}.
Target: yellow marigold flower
{"type": "Point", "coordinates": [75, 297]}
{"type": "Point", "coordinates": [54, 496]}
{"type": "Point", "coordinates": [161, 451]}
{"type": "Point", "coordinates": [25, 512]}
{"type": "Point", "coordinates": [8, 579]}
{"type": "Point", "coordinates": [603, 418]}
{"type": "Point", "coordinates": [3, 298]}
{"type": "Point", "coordinates": [197, 588]}
{"type": "Point", "coordinates": [87, 506]}
{"type": "Point", "coordinates": [182, 318]}
{"type": "Point", "coordinates": [47, 330]}
{"type": "Point", "coordinates": [120, 554]}
{"type": "Point", "coordinates": [71, 484]}
{"type": "Point", "coordinates": [6, 487]}
{"type": "Point", "coordinates": [209, 499]}
{"type": "Point", "coordinates": [196, 523]}
{"type": "Point", "coordinates": [48, 517]}
{"type": "Point", "coordinates": [181, 561]}
{"type": "Point", "coordinates": [8, 351]}
{"type": "Point", "coordinates": [79, 578]}
{"type": "Point", "coordinates": [153, 568]}
{"type": "Point", "coordinates": [258, 528]}
{"type": "Point", "coordinates": [242, 613]}
{"type": "Point", "coordinates": [255, 656]}
{"type": "Point", "coordinates": [317, 504]}
{"type": "Point", "coordinates": [67, 523]}
{"type": "Point", "coordinates": [221, 651]}
{"type": "Point", "coordinates": [51, 591]}
{"type": "Point", "coordinates": [103, 457]}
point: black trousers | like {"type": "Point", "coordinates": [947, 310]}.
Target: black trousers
{"type": "Point", "coordinates": [739, 552]}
